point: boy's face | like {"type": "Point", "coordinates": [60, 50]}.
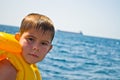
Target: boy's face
{"type": "Point", "coordinates": [35, 45]}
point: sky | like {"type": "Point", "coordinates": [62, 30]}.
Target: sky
{"type": "Point", "coordinates": [93, 17]}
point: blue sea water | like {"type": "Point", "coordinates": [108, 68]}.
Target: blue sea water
{"type": "Point", "coordinates": [79, 57]}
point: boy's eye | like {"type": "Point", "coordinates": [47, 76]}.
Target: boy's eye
{"type": "Point", "coordinates": [30, 39]}
{"type": "Point", "coordinates": [45, 43]}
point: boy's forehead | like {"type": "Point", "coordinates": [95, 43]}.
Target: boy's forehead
{"type": "Point", "coordinates": [40, 32]}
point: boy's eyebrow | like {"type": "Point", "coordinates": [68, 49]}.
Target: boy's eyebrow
{"type": "Point", "coordinates": [30, 35]}
{"type": "Point", "coordinates": [47, 41]}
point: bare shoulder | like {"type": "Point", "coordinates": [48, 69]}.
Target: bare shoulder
{"type": "Point", "coordinates": [7, 71]}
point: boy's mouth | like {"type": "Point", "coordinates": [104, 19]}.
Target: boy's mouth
{"type": "Point", "coordinates": [32, 54]}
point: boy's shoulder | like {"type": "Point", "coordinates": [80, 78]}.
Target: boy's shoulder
{"type": "Point", "coordinates": [7, 70]}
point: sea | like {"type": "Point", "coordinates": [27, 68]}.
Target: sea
{"type": "Point", "coordinates": [79, 57]}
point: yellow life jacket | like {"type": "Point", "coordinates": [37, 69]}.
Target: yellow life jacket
{"type": "Point", "coordinates": [10, 49]}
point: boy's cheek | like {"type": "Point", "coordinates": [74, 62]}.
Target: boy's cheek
{"type": "Point", "coordinates": [23, 42]}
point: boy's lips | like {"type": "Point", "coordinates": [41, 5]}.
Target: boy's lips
{"type": "Point", "coordinates": [32, 54]}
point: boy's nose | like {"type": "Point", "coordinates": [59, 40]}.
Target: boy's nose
{"type": "Point", "coordinates": [36, 50]}
{"type": "Point", "coordinates": [35, 47]}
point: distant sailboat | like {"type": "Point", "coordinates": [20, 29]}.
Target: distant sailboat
{"type": "Point", "coordinates": [81, 33]}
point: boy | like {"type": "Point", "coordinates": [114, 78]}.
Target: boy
{"type": "Point", "coordinates": [35, 37]}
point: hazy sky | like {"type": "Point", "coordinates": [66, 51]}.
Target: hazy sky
{"type": "Point", "coordinates": [92, 17]}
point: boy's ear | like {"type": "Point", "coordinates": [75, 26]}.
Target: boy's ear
{"type": "Point", "coordinates": [17, 36]}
